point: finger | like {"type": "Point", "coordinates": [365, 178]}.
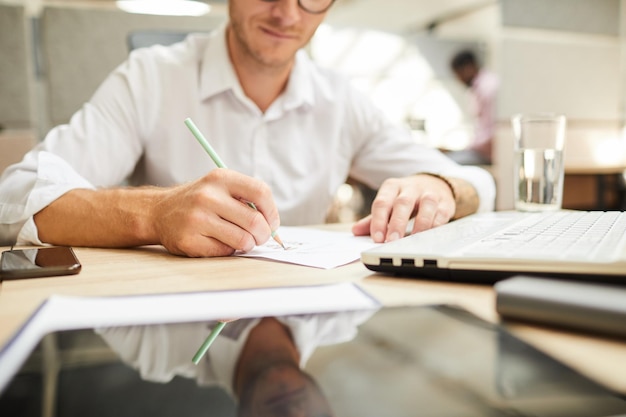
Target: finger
{"type": "Point", "coordinates": [426, 214]}
{"type": "Point", "coordinates": [205, 233]}
{"type": "Point", "coordinates": [249, 219]}
{"type": "Point", "coordinates": [381, 209]}
{"type": "Point", "coordinates": [198, 246]}
{"type": "Point", "coordinates": [403, 208]}
{"type": "Point", "coordinates": [252, 190]}
{"type": "Point", "coordinates": [263, 201]}
{"type": "Point", "coordinates": [232, 206]}
{"type": "Point", "coordinates": [441, 218]}
{"type": "Point", "coordinates": [362, 227]}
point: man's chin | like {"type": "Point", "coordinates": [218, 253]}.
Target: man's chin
{"type": "Point", "coordinates": [276, 58]}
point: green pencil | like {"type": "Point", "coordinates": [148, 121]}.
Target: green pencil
{"type": "Point", "coordinates": [207, 342]}
{"type": "Point", "coordinates": [220, 164]}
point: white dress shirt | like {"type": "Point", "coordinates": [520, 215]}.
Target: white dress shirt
{"type": "Point", "coordinates": [319, 131]}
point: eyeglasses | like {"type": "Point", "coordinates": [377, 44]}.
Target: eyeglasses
{"type": "Point", "coordinates": [312, 6]}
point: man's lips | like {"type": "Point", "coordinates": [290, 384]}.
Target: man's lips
{"type": "Point", "coordinates": [278, 34]}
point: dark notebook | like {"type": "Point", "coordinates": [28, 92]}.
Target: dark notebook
{"type": "Point", "coordinates": [594, 308]}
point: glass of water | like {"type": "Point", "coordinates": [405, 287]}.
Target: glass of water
{"type": "Point", "coordinates": [538, 161]}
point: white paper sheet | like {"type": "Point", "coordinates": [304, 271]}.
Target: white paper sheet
{"type": "Point", "coordinates": [313, 247]}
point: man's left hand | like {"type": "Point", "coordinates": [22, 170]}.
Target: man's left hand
{"type": "Point", "coordinates": [426, 197]}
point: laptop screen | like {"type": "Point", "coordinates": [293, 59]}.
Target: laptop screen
{"type": "Point", "coordinates": [405, 361]}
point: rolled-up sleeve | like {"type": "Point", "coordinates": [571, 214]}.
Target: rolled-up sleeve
{"type": "Point", "coordinates": [99, 147]}
{"type": "Point", "coordinates": [28, 187]}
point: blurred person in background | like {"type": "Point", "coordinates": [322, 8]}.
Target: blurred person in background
{"type": "Point", "coordinates": [483, 88]}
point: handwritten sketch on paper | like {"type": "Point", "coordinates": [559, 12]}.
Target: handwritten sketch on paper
{"type": "Point", "coordinates": [313, 247]}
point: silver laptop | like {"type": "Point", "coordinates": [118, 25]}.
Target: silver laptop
{"type": "Point", "coordinates": [487, 247]}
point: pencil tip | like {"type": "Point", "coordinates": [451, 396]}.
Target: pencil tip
{"type": "Point", "coordinates": [280, 242]}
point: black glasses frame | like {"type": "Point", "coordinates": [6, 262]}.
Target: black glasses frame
{"type": "Point", "coordinates": [308, 10]}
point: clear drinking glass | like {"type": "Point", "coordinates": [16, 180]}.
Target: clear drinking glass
{"type": "Point", "coordinates": [539, 141]}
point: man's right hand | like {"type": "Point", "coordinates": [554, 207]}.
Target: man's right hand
{"type": "Point", "coordinates": [206, 217]}
{"type": "Point", "coordinates": [211, 217]}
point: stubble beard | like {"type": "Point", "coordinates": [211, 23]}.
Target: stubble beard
{"type": "Point", "coordinates": [256, 56]}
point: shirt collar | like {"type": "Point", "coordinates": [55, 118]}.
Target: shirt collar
{"type": "Point", "coordinates": [217, 72]}
{"type": "Point", "coordinates": [299, 89]}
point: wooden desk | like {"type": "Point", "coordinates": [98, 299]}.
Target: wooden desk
{"type": "Point", "coordinates": [151, 270]}
{"type": "Point", "coordinates": [589, 187]}
{"type": "Point", "coordinates": [601, 159]}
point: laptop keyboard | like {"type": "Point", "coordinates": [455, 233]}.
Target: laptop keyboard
{"type": "Point", "coordinates": [565, 235]}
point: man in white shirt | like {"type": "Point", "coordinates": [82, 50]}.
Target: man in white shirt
{"type": "Point", "coordinates": [290, 133]}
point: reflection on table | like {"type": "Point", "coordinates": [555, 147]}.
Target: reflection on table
{"type": "Point", "coordinates": [426, 361]}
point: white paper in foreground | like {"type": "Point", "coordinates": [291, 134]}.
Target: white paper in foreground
{"type": "Point", "coordinates": [313, 247]}
{"type": "Point", "coordinates": [67, 313]}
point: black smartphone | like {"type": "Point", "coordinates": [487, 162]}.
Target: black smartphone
{"type": "Point", "coordinates": [38, 262]}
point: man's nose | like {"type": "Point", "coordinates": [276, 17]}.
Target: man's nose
{"type": "Point", "coordinates": [288, 11]}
